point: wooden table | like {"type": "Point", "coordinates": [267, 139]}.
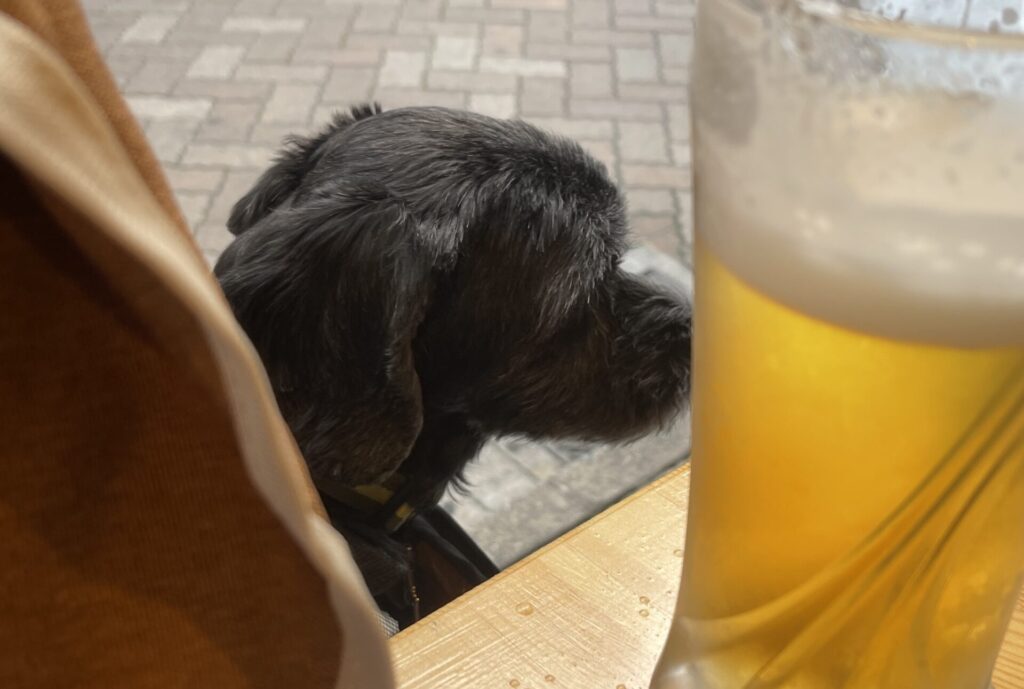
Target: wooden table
{"type": "Point", "coordinates": [589, 611]}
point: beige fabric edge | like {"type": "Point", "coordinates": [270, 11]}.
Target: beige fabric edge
{"type": "Point", "coordinates": [41, 103]}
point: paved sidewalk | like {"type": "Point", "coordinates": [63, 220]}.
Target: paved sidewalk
{"type": "Point", "coordinates": [218, 83]}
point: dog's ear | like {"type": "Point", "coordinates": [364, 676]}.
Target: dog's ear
{"type": "Point", "coordinates": [299, 155]}
{"type": "Point", "coordinates": [331, 293]}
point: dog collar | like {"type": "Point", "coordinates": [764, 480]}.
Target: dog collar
{"type": "Point", "coordinates": [383, 505]}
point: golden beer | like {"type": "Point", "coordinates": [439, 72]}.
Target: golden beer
{"type": "Point", "coordinates": [837, 538]}
{"type": "Point", "coordinates": [856, 513]}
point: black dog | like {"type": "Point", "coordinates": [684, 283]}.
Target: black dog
{"type": "Point", "coordinates": [419, 280]}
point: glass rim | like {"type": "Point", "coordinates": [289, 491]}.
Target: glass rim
{"type": "Point", "coordinates": [855, 19]}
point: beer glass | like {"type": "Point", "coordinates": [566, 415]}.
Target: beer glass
{"type": "Point", "coordinates": [857, 500]}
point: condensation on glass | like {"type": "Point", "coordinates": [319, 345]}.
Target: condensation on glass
{"type": "Point", "coordinates": [857, 499]}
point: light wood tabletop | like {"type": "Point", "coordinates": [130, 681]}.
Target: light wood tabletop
{"type": "Point", "coordinates": [589, 611]}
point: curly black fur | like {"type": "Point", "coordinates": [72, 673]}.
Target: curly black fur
{"type": "Point", "coordinates": [421, 279]}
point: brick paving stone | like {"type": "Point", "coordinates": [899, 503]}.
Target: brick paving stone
{"type": "Point", "coordinates": [291, 103]}
{"type": "Point", "coordinates": [264, 25]}
{"type": "Point", "coordinates": [344, 57]}
{"type": "Point", "coordinates": [277, 47]}
{"type": "Point", "coordinates": [192, 179]}
{"type": "Point", "coordinates": [409, 97]}
{"type": "Point", "coordinates": [149, 28]}
{"type": "Point", "coordinates": [166, 51]}
{"type": "Point", "coordinates": [625, 39]}
{"type": "Point", "coordinates": [216, 62]}
{"type": "Point", "coordinates": [229, 121]}
{"type": "Point", "coordinates": [438, 28]}
{"type": "Point", "coordinates": [568, 51]}
{"type": "Point", "coordinates": [548, 27]}
{"type": "Point", "coordinates": [539, 460]}
{"type": "Point", "coordinates": [402, 68]}
{"type": "Point", "coordinates": [653, 201]}
{"type": "Point", "coordinates": [497, 479]}
{"type": "Point", "coordinates": [422, 9]}
{"type": "Point", "coordinates": [522, 66]}
{"type": "Point", "coordinates": [193, 205]}
{"type": "Point", "coordinates": [633, 7]}
{"type": "Point", "coordinates": [283, 73]}
{"type": "Point", "coordinates": [675, 8]}
{"type": "Point", "coordinates": [502, 40]}
{"type": "Point", "coordinates": [485, 16]}
{"type": "Point", "coordinates": [373, 17]}
{"type": "Point", "coordinates": [169, 137]}
{"type": "Point", "coordinates": [684, 204]}
{"type": "Point", "coordinates": [591, 80]}
{"type": "Point", "coordinates": [643, 142]}
{"type": "Point", "coordinates": [531, 4]}
{"type": "Point", "coordinates": [144, 6]}
{"type": "Point", "coordinates": [494, 104]}
{"type": "Point", "coordinates": [157, 76]}
{"type": "Point", "coordinates": [653, 23]}
{"type": "Point", "coordinates": [219, 83]}
{"type": "Point", "coordinates": [453, 52]}
{"type": "Point", "coordinates": [576, 128]}
{"type": "Point", "coordinates": [196, 38]}
{"type": "Point", "coordinates": [124, 67]}
{"type": "Point", "coordinates": [274, 134]}
{"type": "Point", "coordinates": [681, 154]}
{"type": "Point", "coordinates": [223, 90]}
{"type": "Point", "coordinates": [255, 6]}
{"type": "Point", "coordinates": [661, 232]}
{"type": "Point", "coordinates": [678, 121]}
{"type": "Point", "coordinates": [666, 176]}
{"type": "Point", "coordinates": [349, 84]}
{"type": "Point", "coordinates": [167, 108]}
{"type": "Point", "coordinates": [528, 511]}
{"type": "Point", "coordinates": [675, 48]}
{"type": "Point", "coordinates": [383, 41]}
{"type": "Point", "coordinates": [228, 155]}
{"type": "Point", "coordinates": [653, 92]}
{"type": "Point", "coordinates": [675, 75]}
{"type": "Point", "coordinates": [324, 34]}
{"type": "Point", "coordinates": [236, 183]}
{"type": "Point", "coordinates": [636, 64]}
{"type": "Point", "coordinates": [590, 14]}
{"type": "Point", "coordinates": [542, 97]}
{"type": "Point", "coordinates": [472, 82]}
{"type": "Point", "coordinates": [616, 109]}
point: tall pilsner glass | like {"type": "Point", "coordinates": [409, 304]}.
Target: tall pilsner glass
{"type": "Point", "coordinates": [857, 499]}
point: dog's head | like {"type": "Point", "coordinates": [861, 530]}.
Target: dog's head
{"type": "Point", "coordinates": [425, 262]}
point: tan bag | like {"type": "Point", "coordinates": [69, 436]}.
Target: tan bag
{"type": "Point", "coordinates": [157, 525]}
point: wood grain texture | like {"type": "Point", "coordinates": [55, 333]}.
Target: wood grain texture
{"type": "Point", "coordinates": [589, 611]}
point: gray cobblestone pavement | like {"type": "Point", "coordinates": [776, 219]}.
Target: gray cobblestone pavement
{"type": "Point", "coordinates": [218, 83]}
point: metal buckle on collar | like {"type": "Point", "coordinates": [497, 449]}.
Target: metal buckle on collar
{"type": "Point", "coordinates": [383, 505]}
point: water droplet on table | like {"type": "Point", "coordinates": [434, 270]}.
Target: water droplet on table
{"type": "Point", "coordinates": [524, 609]}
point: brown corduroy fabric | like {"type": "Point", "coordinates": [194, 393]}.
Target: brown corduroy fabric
{"type": "Point", "coordinates": [157, 528]}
